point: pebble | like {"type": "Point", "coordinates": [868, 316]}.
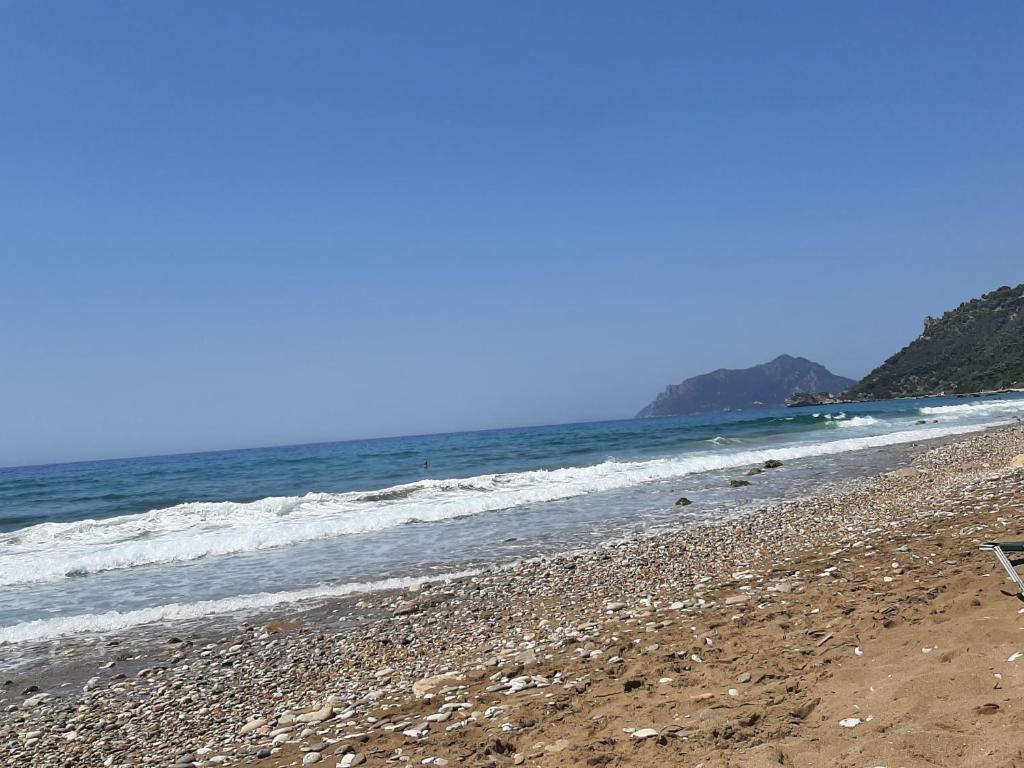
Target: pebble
{"type": "Point", "coordinates": [644, 733]}
{"type": "Point", "coordinates": [457, 639]}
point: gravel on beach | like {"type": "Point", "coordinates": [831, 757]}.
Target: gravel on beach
{"type": "Point", "coordinates": [759, 640]}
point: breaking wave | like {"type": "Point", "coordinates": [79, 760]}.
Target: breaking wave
{"type": "Point", "coordinates": [116, 621]}
{"type": "Point", "coordinates": [992, 408]}
{"type": "Point", "coordinates": [857, 421]}
{"type": "Point", "coordinates": [194, 530]}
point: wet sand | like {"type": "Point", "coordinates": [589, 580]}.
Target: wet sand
{"type": "Point", "coordinates": [860, 627]}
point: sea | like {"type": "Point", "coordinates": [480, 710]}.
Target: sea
{"type": "Point", "coordinates": [106, 546]}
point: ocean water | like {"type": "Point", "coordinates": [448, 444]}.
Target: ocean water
{"type": "Point", "coordinates": [104, 546]}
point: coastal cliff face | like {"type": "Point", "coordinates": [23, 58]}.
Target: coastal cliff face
{"type": "Point", "coordinates": [766, 384]}
{"type": "Point", "coordinates": [976, 347]}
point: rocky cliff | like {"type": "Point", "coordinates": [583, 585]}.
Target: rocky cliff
{"type": "Point", "coordinates": [766, 384]}
{"type": "Point", "coordinates": [976, 347]}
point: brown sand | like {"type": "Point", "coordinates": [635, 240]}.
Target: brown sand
{"type": "Point", "coordinates": [932, 684]}
{"type": "Point", "coordinates": [871, 604]}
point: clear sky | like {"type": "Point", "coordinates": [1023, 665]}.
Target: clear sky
{"type": "Point", "coordinates": [245, 223]}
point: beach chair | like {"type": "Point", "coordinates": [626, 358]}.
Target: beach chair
{"type": "Point", "coordinates": [1000, 548]}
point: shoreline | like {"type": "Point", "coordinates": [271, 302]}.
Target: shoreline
{"type": "Point", "coordinates": [54, 656]}
{"type": "Point", "coordinates": [557, 630]}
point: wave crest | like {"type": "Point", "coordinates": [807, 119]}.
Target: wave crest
{"type": "Point", "coordinates": [53, 551]}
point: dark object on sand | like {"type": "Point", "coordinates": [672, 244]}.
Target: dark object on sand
{"type": "Point", "coordinates": [1000, 548]}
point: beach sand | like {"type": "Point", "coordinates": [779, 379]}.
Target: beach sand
{"type": "Point", "coordinates": [861, 627]}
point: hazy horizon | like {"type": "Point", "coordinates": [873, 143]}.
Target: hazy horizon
{"type": "Point", "coordinates": [227, 230]}
{"type": "Point", "coordinates": [353, 439]}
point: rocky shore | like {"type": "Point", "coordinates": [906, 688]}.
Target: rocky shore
{"type": "Point", "coordinates": [861, 625]}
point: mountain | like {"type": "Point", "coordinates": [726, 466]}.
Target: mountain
{"type": "Point", "coordinates": [977, 346]}
{"type": "Point", "coordinates": [765, 384]}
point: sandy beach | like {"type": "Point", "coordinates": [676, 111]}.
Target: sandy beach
{"type": "Point", "coordinates": [857, 627]}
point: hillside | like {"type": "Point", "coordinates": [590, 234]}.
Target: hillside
{"type": "Point", "coordinates": [766, 384]}
{"type": "Point", "coordinates": [977, 346]}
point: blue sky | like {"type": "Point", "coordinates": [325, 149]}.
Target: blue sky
{"type": "Point", "coordinates": [258, 223]}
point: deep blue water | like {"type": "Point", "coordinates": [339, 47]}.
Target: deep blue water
{"type": "Point", "coordinates": [131, 537]}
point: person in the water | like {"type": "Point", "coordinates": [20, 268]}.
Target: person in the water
{"type": "Point", "coordinates": [425, 464]}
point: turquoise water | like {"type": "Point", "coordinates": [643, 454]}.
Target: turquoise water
{"type": "Point", "coordinates": [106, 545]}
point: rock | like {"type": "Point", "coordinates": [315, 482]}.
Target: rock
{"type": "Point", "coordinates": [738, 483]}
{"type": "Point", "coordinates": [644, 733]}
{"type": "Point", "coordinates": [406, 608]}
{"type": "Point", "coordinates": [351, 759]}
{"type": "Point", "coordinates": [263, 754]}
{"type": "Point", "coordinates": [614, 606]}
{"type": "Point", "coordinates": [1017, 461]}
{"type": "Point", "coordinates": [754, 471]}
{"type": "Point", "coordinates": [744, 678]}
{"type": "Point", "coordinates": [682, 501]}
{"type": "Point", "coordinates": [905, 472]}
{"type": "Point", "coordinates": [325, 712]}
{"type": "Point", "coordinates": [312, 757]}
{"type": "Point", "coordinates": [772, 464]}
{"type": "Point", "coordinates": [422, 687]}
{"type": "Point", "coordinates": [987, 709]}
{"type": "Point", "coordinates": [251, 726]}
{"type": "Point", "coordinates": [850, 722]}
{"type": "Point", "coordinates": [737, 599]}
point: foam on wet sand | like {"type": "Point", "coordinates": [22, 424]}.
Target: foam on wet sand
{"type": "Point", "coordinates": [778, 638]}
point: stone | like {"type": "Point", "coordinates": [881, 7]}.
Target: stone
{"type": "Point", "coordinates": [737, 599]}
{"type": "Point", "coordinates": [754, 471]}
{"type": "Point", "coordinates": [422, 687]}
{"type": "Point", "coordinates": [311, 757]}
{"type": "Point", "coordinates": [644, 733]}
{"type": "Point", "coordinates": [772, 464]}
{"type": "Point", "coordinates": [251, 726]}
{"type": "Point", "coordinates": [682, 501]}
{"type": "Point", "coordinates": [1017, 461]}
{"type": "Point", "coordinates": [743, 678]}
{"type": "Point", "coordinates": [905, 472]}
{"type": "Point", "coordinates": [325, 712]}
{"type": "Point", "coordinates": [738, 483]}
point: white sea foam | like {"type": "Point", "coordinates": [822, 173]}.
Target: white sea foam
{"type": "Point", "coordinates": [858, 421]}
{"type": "Point", "coordinates": [116, 621]}
{"type": "Point", "coordinates": [53, 551]}
{"type": "Point", "coordinates": [981, 409]}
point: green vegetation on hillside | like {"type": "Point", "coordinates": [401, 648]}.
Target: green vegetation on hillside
{"type": "Point", "coordinates": [977, 346]}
